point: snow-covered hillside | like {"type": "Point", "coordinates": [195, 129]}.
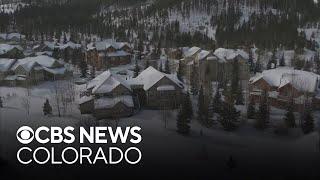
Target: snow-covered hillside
{"type": "Point", "coordinates": [12, 7]}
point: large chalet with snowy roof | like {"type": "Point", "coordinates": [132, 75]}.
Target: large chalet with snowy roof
{"type": "Point", "coordinates": [31, 70]}
{"type": "Point", "coordinates": [160, 90]}
{"type": "Point", "coordinates": [104, 54]}
{"type": "Point", "coordinates": [222, 64]}
{"type": "Point", "coordinates": [285, 85]}
{"type": "Point", "coordinates": [11, 51]}
{"type": "Point", "coordinates": [217, 65]}
{"type": "Point", "coordinates": [109, 96]}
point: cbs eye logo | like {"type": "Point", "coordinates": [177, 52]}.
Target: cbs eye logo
{"type": "Point", "coordinates": [25, 135]}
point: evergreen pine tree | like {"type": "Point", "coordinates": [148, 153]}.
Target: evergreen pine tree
{"type": "Point", "coordinates": [1, 102]}
{"type": "Point", "coordinates": [93, 72]}
{"type": "Point", "coordinates": [274, 59]}
{"type": "Point", "coordinates": [239, 96]}
{"type": "Point", "coordinates": [183, 120]}
{"type": "Point", "coordinates": [55, 53]}
{"type": "Point", "coordinates": [317, 63]}
{"type": "Point", "coordinates": [307, 120]}
{"type": "Point", "coordinates": [47, 109]}
{"type": "Point", "coordinates": [65, 38]}
{"type": "Point", "coordinates": [83, 68]}
{"type": "Point", "coordinates": [229, 117]}
{"type": "Point", "coordinates": [147, 64]}
{"type": "Point", "coordinates": [140, 48]}
{"type": "Point", "coordinates": [282, 61]}
{"type": "Point", "coordinates": [136, 70]}
{"type": "Point", "coordinates": [251, 62]}
{"type": "Point", "coordinates": [203, 109]}
{"type": "Point", "coordinates": [258, 66]}
{"type": "Point", "coordinates": [263, 115]}
{"type": "Point", "coordinates": [307, 66]}
{"type": "Point", "coordinates": [188, 106]}
{"type": "Point", "coordinates": [269, 65]}
{"type": "Point", "coordinates": [167, 67]}
{"type": "Point", "coordinates": [194, 80]}
{"type": "Point", "coordinates": [289, 118]}
{"type": "Point", "coordinates": [201, 104]}
{"type": "Point", "coordinates": [235, 79]}
{"type": "Point", "coordinates": [179, 72]}
{"type": "Point", "coordinates": [217, 102]}
{"type": "Point", "coordinates": [251, 111]}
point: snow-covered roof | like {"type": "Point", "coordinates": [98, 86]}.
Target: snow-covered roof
{"type": "Point", "coordinates": [9, 7]}
{"type": "Point", "coordinates": [46, 44]}
{"type": "Point", "coordinates": [122, 44]}
{"type": "Point", "coordinates": [46, 53]}
{"type": "Point", "coordinates": [301, 80]}
{"type": "Point", "coordinates": [166, 88]}
{"type": "Point", "coordinates": [5, 64]}
{"type": "Point", "coordinates": [85, 99]}
{"type": "Point", "coordinates": [202, 55]}
{"type": "Point", "coordinates": [26, 65]}
{"type": "Point", "coordinates": [230, 54]}
{"type": "Point", "coordinates": [192, 51]}
{"type": "Point", "coordinates": [103, 45]}
{"type": "Point", "coordinates": [151, 76]}
{"type": "Point", "coordinates": [15, 35]}
{"type": "Point", "coordinates": [4, 48]}
{"type": "Point", "coordinates": [12, 36]}
{"type": "Point", "coordinates": [43, 60]}
{"type": "Point", "coordinates": [106, 103]}
{"type": "Point", "coordinates": [105, 83]}
{"type": "Point", "coordinates": [118, 54]}
{"type": "Point", "coordinates": [40, 62]}
{"type": "Point", "coordinates": [69, 44]}
{"type": "Point", "coordinates": [56, 71]}
{"type": "Point", "coordinates": [3, 36]}
{"type": "Point", "coordinates": [50, 45]}
{"type": "Point", "coordinates": [15, 78]}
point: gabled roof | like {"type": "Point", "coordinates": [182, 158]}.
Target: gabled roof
{"type": "Point", "coordinates": [6, 64]}
{"type": "Point", "coordinates": [103, 45]}
{"type": "Point", "coordinates": [26, 65]}
{"type": "Point", "coordinates": [107, 103]}
{"type": "Point", "coordinates": [118, 54]}
{"type": "Point", "coordinates": [4, 48]}
{"type": "Point", "coordinates": [43, 60]}
{"type": "Point", "coordinates": [230, 54]}
{"type": "Point", "coordinates": [69, 44]}
{"type": "Point", "coordinates": [301, 80]}
{"type": "Point", "coordinates": [45, 44]}
{"type": "Point", "coordinates": [12, 36]}
{"type": "Point", "coordinates": [151, 76]}
{"type": "Point", "coordinates": [203, 54]}
{"type": "Point", "coordinates": [106, 83]}
{"type": "Point", "coordinates": [192, 51]}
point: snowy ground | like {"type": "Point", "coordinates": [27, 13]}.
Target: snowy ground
{"type": "Point", "coordinates": [161, 145]}
{"type": "Point", "coordinates": [12, 7]}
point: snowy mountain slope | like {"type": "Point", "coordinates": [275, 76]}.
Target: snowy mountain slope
{"type": "Point", "coordinates": [11, 7]}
